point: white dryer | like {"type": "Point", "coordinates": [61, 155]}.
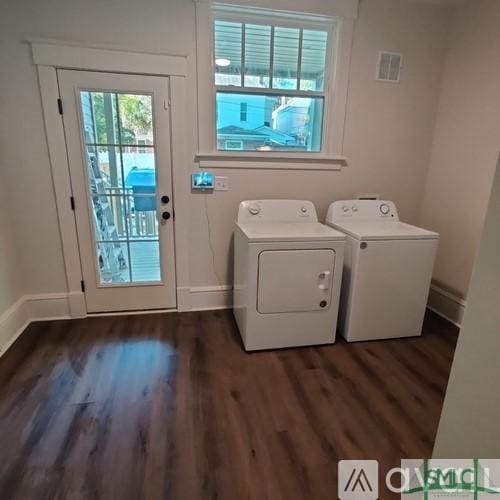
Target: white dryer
{"type": "Point", "coordinates": [387, 270]}
{"type": "Point", "coordinates": [287, 273]}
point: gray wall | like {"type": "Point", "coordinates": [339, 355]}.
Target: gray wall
{"type": "Point", "coordinates": [466, 142]}
{"type": "Point", "coordinates": [471, 411]}
{"type": "Point", "coordinates": [10, 272]}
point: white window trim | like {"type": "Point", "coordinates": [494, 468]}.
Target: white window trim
{"type": "Point", "coordinates": [331, 157]}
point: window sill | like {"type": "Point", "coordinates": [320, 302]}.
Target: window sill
{"type": "Point", "coordinates": [270, 161]}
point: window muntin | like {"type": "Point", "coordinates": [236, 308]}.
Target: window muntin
{"type": "Point", "coordinates": [281, 71]}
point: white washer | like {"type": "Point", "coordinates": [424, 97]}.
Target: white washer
{"type": "Point", "coordinates": [287, 273]}
{"type": "Point", "coordinates": [387, 270]}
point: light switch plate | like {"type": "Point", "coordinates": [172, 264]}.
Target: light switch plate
{"type": "Point", "coordinates": [221, 183]}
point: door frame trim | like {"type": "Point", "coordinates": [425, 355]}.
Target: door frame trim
{"type": "Point", "coordinates": [48, 58]}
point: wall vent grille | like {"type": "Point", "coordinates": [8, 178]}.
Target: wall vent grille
{"type": "Point", "coordinates": [389, 66]}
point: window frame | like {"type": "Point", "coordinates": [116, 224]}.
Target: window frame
{"type": "Point", "coordinates": [334, 91]}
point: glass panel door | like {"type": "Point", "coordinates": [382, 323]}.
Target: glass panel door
{"type": "Point", "coordinates": [117, 130]}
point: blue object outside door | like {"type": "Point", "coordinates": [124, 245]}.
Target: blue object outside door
{"type": "Point", "coordinates": [143, 182]}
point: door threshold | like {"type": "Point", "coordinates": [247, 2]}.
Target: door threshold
{"type": "Point", "coordinates": [130, 313]}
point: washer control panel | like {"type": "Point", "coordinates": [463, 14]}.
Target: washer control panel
{"type": "Point", "coordinates": [277, 211]}
{"type": "Point", "coordinates": [362, 210]}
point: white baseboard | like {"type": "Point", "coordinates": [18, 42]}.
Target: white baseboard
{"type": "Point", "coordinates": [30, 308]}
{"type": "Point", "coordinates": [53, 306]}
{"type": "Point", "coordinates": [47, 306]}
{"type": "Point", "coordinates": [446, 305]}
{"type": "Point", "coordinates": [202, 298]}
{"type": "Point", "coordinates": [12, 323]}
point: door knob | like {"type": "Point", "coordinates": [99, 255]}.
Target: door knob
{"type": "Point", "coordinates": [165, 199]}
{"type": "Point", "coordinates": [165, 215]}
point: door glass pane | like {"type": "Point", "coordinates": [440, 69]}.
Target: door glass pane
{"type": "Point", "coordinates": [110, 221]}
{"type": "Point", "coordinates": [114, 262]}
{"type": "Point", "coordinates": [144, 256]}
{"type": "Point", "coordinates": [105, 166]}
{"type": "Point", "coordinates": [142, 220]}
{"type": "Point", "coordinates": [136, 119]}
{"type": "Point", "coordinates": [121, 172]}
{"type": "Point", "coordinates": [100, 119]}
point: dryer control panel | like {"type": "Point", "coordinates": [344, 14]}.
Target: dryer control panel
{"type": "Point", "coordinates": [362, 210]}
{"type": "Point", "coordinates": [277, 211]}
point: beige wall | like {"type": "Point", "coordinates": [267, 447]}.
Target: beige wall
{"type": "Point", "coordinates": [387, 139]}
{"type": "Point", "coordinates": [471, 411]}
{"type": "Point", "coordinates": [388, 129]}
{"type": "Point", "coordinates": [466, 142]}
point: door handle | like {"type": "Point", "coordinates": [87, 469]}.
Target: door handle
{"type": "Point", "coordinates": [324, 280]}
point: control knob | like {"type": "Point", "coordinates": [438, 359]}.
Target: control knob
{"type": "Point", "coordinates": [385, 209]}
{"type": "Point", "coordinates": [254, 209]}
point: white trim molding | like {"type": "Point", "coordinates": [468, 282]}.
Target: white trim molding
{"type": "Point", "coordinates": [58, 306]}
{"type": "Point", "coordinates": [29, 308]}
{"type": "Point", "coordinates": [342, 8]}
{"type": "Point", "coordinates": [203, 298]}
{"type": "Point", "coordinates": [113, 61]}
{"type": "Point", "coordinates": [48, 56]}
{"type": "Point", "coordinates": [13, 322]}
{"type": "Point", "coordinates": [446, 304]}
{"type": "Point", "coordinates": [280, 161]}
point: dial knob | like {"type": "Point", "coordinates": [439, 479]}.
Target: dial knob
{"type": "Point", "coordinates": [385, 209]}
{"type": "Point", "coordinates": [345, 208]}
{"type": "Point", "coordinates": [303, 210]}
{"type": "Point", "coordinates": [354, 208]}
{"type": "Point", "coordinates": [254, 209]}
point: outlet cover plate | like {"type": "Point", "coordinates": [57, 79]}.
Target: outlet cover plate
{"type": "Point", "coordinates": [221, 183]}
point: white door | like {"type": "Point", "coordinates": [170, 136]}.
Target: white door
{"type": "Point", "coordinates": [117, 131]}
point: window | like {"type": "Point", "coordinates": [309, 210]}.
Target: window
{"type": "Point", "coordinates": [275, 81]}
{"type": "Point", "coordinates": [270, 88]}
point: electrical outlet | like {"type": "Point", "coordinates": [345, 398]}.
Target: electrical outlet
{"type": "Point", "coordinates": [221, 183]}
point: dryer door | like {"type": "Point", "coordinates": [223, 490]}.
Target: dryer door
{"type": "Point", "coordinates": [295, 280]}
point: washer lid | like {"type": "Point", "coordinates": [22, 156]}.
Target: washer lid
{"type": "Point", "coordinates": [384, 230]}
{"type": "Point", "coordinates": [289, 231]}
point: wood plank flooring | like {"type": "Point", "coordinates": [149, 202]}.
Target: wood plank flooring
{"type": "Point", "coordinates": [169, 406]}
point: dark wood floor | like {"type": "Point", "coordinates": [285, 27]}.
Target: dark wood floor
{"type": "Point", "coordinates": [170, 407]}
